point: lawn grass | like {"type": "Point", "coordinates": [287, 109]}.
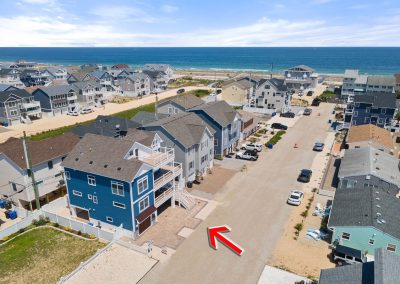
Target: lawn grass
{"type": "Point", "coordinates": [199, 93]}
{"type": "Point", "coordinates": [276, 138]}
{"type": "Point", "coordinates": [128, 114]}
{"type": "Point", "coordinates": [43, 255]}
{"type": "Point", "coordinates": [325, 96]}
{"type": "Point", "coordinates": [188, 81]}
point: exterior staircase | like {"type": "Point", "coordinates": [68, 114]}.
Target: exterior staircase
{"type": "Point", "coordinates": [184, 198]}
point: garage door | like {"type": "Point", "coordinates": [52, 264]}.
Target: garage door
{"type": "Point", "coordinates": [144, 225]}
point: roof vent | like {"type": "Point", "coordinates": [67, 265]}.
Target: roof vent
{"type": "Point", "coordinates": [378, 168]}
{"type": "Point", "coordinates": [377, 198]}
{"type": "Point", "coordinates": [105, 166]}
{"type": "Point", "coordinates": [77, 159]}
{"type": "Point", "coordinates": [383, 221]}
{"type": "Point", "coordinates": [378, 214]}
{"type": "Point", "coordinates": [118, 169]}
{"type": "Point", "coordinates": [91, 162]}
{"type": "Point", "coordinates": [377, 205]}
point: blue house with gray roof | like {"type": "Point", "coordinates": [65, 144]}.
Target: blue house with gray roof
{"type": "Point", "coordinates": [364, 219]}
{"type": "Point", "coordinates": [123, 182]}
{"type": "Point", "coordinates": [226, 122]}
{"type": "Point", "coordinates": [376, 109]}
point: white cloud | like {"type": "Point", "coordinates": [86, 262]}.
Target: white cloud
{"type": "Point", "coordinates": [53, 31]}
{"type": "Point", "coordinates": [169, 9]}
{"type": "Point", "coordinates": [38, 1]}
{"type": "Point", "coordinates": [122, 13]}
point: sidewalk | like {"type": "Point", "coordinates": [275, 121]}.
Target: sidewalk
{"type": "Point", "coordinates": [49, 123]}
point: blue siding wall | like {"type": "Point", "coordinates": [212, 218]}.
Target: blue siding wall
{"type": "Point", "coordinates": [149, 192]}
{"type": "Point", "coordinates": [379, 118]}
{"type": "Point", "coordinates": [104, 208]}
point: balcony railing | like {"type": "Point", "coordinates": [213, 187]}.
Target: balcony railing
{"type": "Point", "coordinates": [159, 158]}
{"type": "Point", "coordinates": [167, 194]}
{"type": "Point", "coordinates": [72, 98]}
{"type": "Point", "coordinates": [167, 177]}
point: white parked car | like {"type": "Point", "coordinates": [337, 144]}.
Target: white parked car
{"type": "Point", "coordinates": [295, 197]}
{"type": "Point", "coordinates": [247, 155]}
{"type": "Point", "coordinates": [73, 113]}
{"type": "Point", "coordinates": [86, 110]}
{"type": "Point", "coordinates": [252, 146]}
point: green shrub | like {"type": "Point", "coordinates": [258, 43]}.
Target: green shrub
{"type": "Point", "coordinates": [21, 230]}
{"type": "Point", "coordinates": [275, 138]}
{"type": "Point", "coordinates": [299, 227]}
{"type": "Point", "coordinates": [304, 214]}
{"type": "Point", "coordinates": [324, 223]}
{"type": "Point", "coordinates": [79, 233]}
{"type": "Point", "coordinates": [41, 221]}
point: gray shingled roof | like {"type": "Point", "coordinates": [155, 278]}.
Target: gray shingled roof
{"type": "Point", "coordinates": [103, 156]}
{"type": "Point", "coordinates": [376, 80]}
{"type": "Point", "coordinates": [156, 67]}
{"type": "Point", "coordinates": [279, 84]}
{"type": "Point", "coordinates": [385, 269]}
{"type": "Point", "coordinates": [220, 111]}
{"type": "Point", "coordinates": [378, 100]}
{"type": "Point", "coordinates": [186, 101]}
{"type": "Point", "coordinates": [370, 161]}
{"type": "Point", "coordinates": [366, 207]}
{"type": "Point", "coordinates": [302, 66]}
{"type": "Point", "coordinates": [145, 117]}
{"type": "Point", "coordinates": [20, 93]}
{"type": "Point", "coordinates": [186, 128]}
{"type": "Point", "coordinates": [57, 90]}
{"type": "Point", "coordinates": [83, 84]}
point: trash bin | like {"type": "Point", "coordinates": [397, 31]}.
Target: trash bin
{"type": "Point", "coordinates": [189, 184]}
{"type": "Point", "coordinates": [330, 121]}
{"type": "Point", "coordinates": [270, 146]}
{"type": "Point", "coordinates": [2, 203]}
{"type": "Point", "coordinates": [12, 214]}
{"type": "Point", "coordinates": [274, 113]}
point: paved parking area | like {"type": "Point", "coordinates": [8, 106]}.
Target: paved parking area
{"type": "Point", "coordinates": [170, 223]}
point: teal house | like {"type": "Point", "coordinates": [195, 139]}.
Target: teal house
{"type": "Point", "coordinates": [365, 219]}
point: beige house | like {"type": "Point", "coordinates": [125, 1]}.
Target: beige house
{"type": "Point", "coordinates": [366, 135]}
{"type": "Point", "coordinates": [236, 92]}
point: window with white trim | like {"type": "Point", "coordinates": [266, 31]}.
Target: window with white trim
{"type": "Point", "coordinates": [170, 110]}
{"type": "Point", "coordinates": [91, 180]}
{"type": "Point", "coordinates": [345, 236]}
{"type": "Point", "coordinates": [109, 219]}
{"type": "Point", "coordinates": [89, 196]}
{"type": "Point", "coordinates": [77, 193]}
{"type": "Point", "coordinates": [371, 241]}
{"type": "Point", "coordinates": [142, 184]}
{"type": "Point", "coordinates": [117, 188]}
{"type": "Point", "coordinates": [119, 205]}
{"type": "Point", "coordinates": [95, 201]}
{"type": "Point", "coordinates": [391, 247]}
{"type": "Point", "coordinates": [67, 175]}
{"type": "Point", "coordinates": [144, 204]}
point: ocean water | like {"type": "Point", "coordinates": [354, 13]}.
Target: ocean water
{"type": "Point", "coordinates": [371, 60]}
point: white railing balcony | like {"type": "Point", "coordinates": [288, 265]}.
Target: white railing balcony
{"type": "Point", "coordinates": [72, 98]}
{"type": "Point", "coordinates": [164, 196]}
{"type": "Point", "coordinates": [158, 158]}
{"type": "Point", "coordinates": [348, 111]}
{"type": "Point", "coordinates": [169, 176]}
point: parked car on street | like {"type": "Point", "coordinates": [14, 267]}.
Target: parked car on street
{"type": "Point", "coordinates": [247, 155]}
{"type": "Point", "coordinates": [307, 111]}
{"type": "Point", "coordinates": [288, 114]}
{"type": "Point", "coordinates": [318, 147]}
{"type": "Point", "coordinates": [279, 126]}
{"type": "Point", "coordinates": [305, 176]}
{"type": "Point", "coordinates": [252, 146]}
{"type": "Point", "coordinates": [295, 197]}
{"type": "Point", "coordinates": [86, 110]}
{"type": "Point", "coordinates": [73, 113]}
{"type": "Point", "coordinates": [180, 91]}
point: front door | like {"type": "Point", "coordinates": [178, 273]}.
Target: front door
{"type": "Point", "coordinates": [144, 225]}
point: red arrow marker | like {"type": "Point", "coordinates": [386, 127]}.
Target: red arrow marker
{"type": "Point", "coordinates": [214, 233]}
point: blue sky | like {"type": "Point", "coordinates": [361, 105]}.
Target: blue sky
{"type": "Point", "coordinates": [200, 23]}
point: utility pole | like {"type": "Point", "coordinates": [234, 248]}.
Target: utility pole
{"type": "Point", "coordinates": [29, 166]}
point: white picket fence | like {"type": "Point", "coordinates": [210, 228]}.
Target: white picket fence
{"type": "Point", "coordinates": [66, 222]}
{"type": "Point", "coordinates": [21, 224]}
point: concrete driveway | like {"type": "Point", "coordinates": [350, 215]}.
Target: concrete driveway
{"type": "Point", "coordinates": [253, 205]}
